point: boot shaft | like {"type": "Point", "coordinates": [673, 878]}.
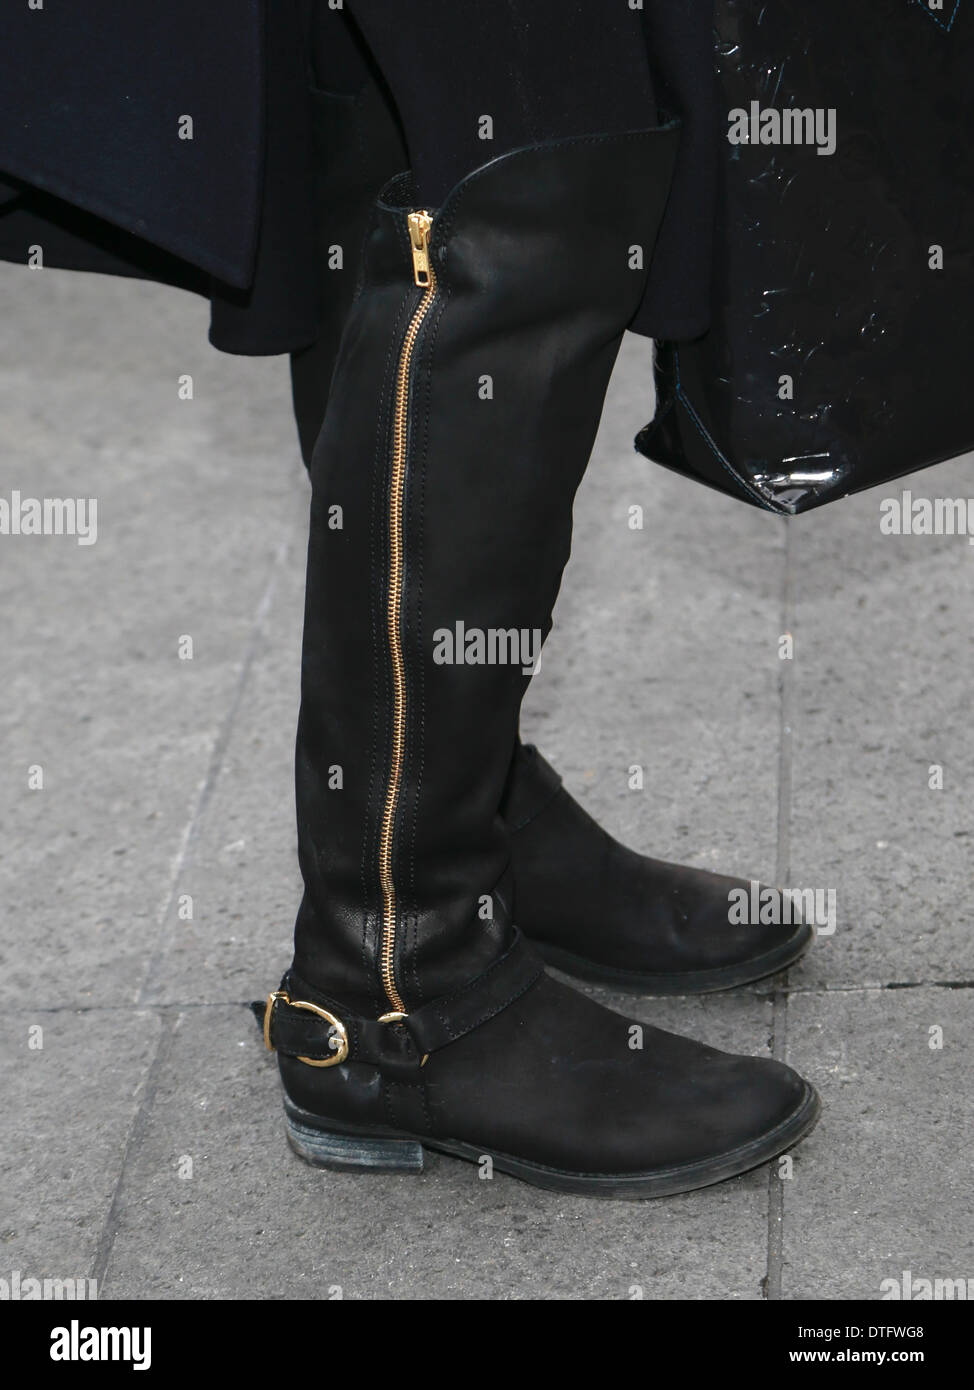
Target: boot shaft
{"type": "Point", "coordinates": [464, 406]}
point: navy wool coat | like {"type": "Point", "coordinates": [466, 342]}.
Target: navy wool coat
{"type": "Point", "coordinates": [173, 142]}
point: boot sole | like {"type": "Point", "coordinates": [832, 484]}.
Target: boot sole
{"type": "Point", "coordinates": [743, 972]}
{"type": "Point", "coordinates": [319, 1143]}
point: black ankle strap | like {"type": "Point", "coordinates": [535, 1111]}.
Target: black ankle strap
{"type": "Point", "coordinates": [320, 1031]}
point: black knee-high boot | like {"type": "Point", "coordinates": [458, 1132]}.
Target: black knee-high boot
{"type": "Point", "coordinates": [464, 405]}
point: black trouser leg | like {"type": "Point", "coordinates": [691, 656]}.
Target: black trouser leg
{"type": "Point", "coordinates": [357, 147]}
{"type": "Point", "coordinates": [535, 69]}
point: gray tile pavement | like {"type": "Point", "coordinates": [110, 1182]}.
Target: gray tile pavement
{"type": "Point", "coordinates": [143, 1142]}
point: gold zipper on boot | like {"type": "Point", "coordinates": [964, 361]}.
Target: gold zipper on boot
{"type": "Point", "coordinates": [420, 227]}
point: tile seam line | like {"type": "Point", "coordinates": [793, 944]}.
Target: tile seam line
{"type": "Point", "coordinates": [133, 1147]}
{"type": "Point", "coordinates": [169, 1020]}
{"type": "Point", "coordinates": [779, 998]}
{"type": "Point", "coordinates": [792, 991]}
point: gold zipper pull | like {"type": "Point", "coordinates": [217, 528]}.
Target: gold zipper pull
{"type": "Point", "coordinates": [420, 227]}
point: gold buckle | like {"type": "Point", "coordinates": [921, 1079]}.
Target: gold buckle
{"type": "Point", "coordinates": [341, 1051]}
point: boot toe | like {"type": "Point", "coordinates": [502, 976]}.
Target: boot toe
{"type": "Point", "coordinates": [703, 929]}
{"type": "Point", "coordinates": [763, 1096]}
{"type": "Point", "coordinates": [718, 1105]}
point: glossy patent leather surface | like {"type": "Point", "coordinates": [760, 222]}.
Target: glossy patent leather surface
{"type": "Point", "coordinates": [843, 339]}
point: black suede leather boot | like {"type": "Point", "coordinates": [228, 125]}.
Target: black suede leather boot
{"type": "Point", "coordinates": [464, 405]}
{"type": "Point", "coordinates": [602, 912]}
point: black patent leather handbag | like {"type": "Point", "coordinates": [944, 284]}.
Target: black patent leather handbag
{"type": "Point", "coordinates": [841, 353]}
